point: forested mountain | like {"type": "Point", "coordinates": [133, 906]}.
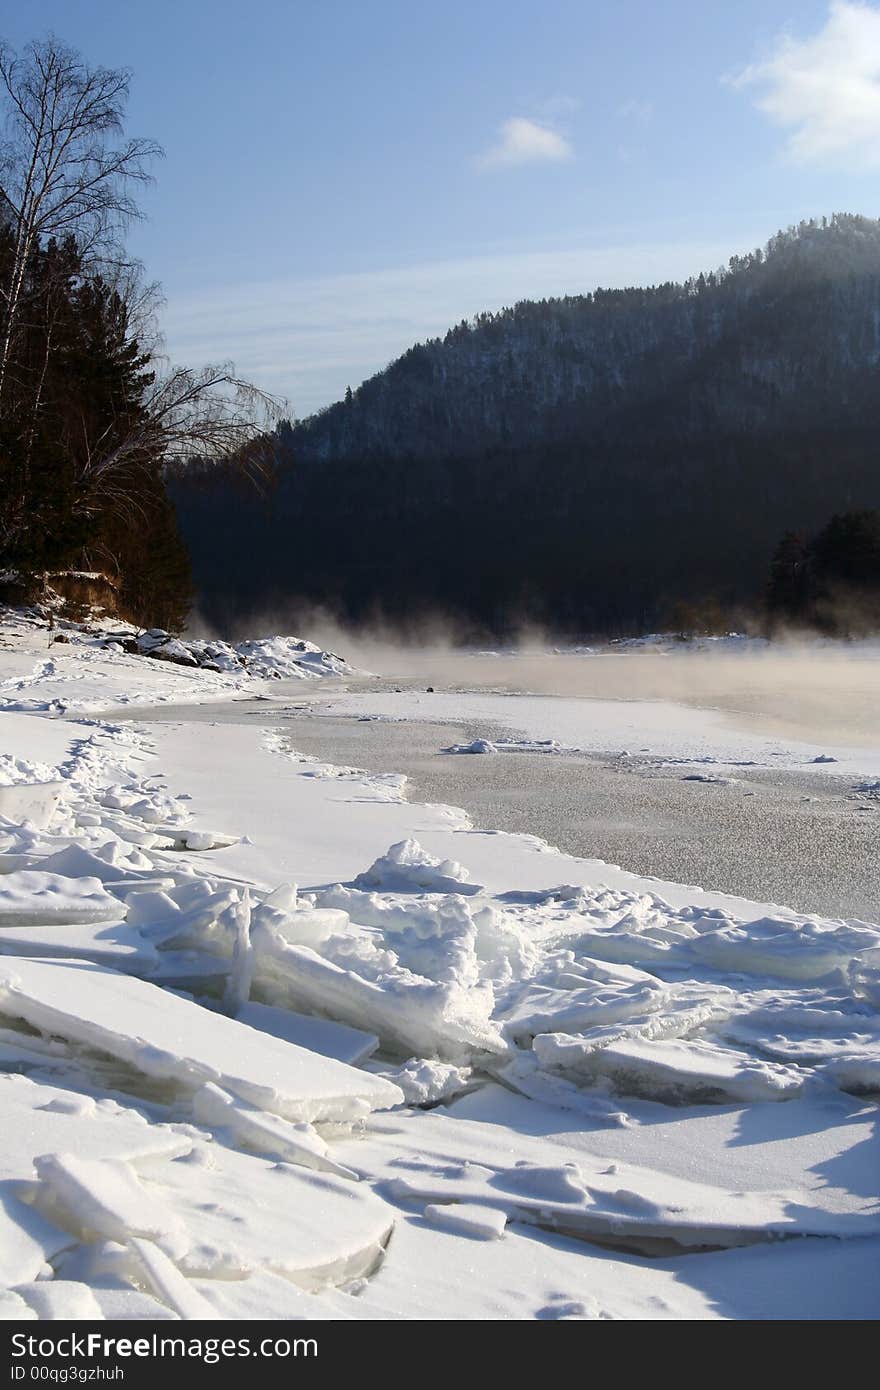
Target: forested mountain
{"type": "Point", "coordinates": [587, 461]}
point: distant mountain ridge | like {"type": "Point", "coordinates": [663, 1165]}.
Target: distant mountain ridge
{"type": "Point", "coordinates": [585, 462]}
{"type": "Point", "coordinates": [543, 370]}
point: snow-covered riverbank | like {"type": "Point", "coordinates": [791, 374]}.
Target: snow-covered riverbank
{"type": "Point", "coordinates": [454, 1075]}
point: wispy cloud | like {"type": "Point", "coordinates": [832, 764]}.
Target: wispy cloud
{"type": "Point", "coordinates": [523, 141]}
{"type": "Point", "coordinates": [308, 339]}
{"type": "Point", "coordinates": [557, 107]}
{"type": "Point", "coordinates": [825, 89]}
{"type": "Point", "coordinates": [641, 112]}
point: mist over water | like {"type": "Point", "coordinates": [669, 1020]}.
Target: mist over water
{"type": "Point", "coordinates": [820, 692]}
{"type": "Point", "coordinates": [773, 834]}
{"type": "Point", "coordinates": [799, 686]}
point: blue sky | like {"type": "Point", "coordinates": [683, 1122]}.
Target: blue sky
{"type": "Point", "coordinates": [343, 179]}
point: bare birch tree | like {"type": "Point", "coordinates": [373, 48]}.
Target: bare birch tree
{"type": "Point", "coordinates": [67, 171]}
{"type": "Point", "coordinates": [186, 413]}
{"type": "Point", "coordinates": [65, 167]}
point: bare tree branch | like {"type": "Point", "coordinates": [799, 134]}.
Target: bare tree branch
{"type": "Point", "coordinates": [187, 413]}
{"type": "Point", "coordinates": [61, 172]}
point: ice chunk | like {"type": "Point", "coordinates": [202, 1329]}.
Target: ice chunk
{"type": "Point", "coordinates": [265, 1133]}
{"type": "Point", "coordinates": [263, 1295]}
{"type": "Point", "coordinates": [164, 1035]}
{"type": "Point", "coordinates": [169, 1285]}
{"type": "Point", "coordinates": [118, 944]}
{"type": "Point", "coordinates": [111, 865]}
{"type": "Point", "coordinates": [427, 1083]}
{"type": "Point", "coordinates": [568, 995]}
{"type": "Point", "coordinates": [27, 1240]}
{"type": "Point", "coordinates": [407, 868]}
{"type": "Point", "coordinates": [103, 1198]}
{"type": "Point", "coordinates": [322, 1035]}
{"type": "Point", "coordinates": [39, 1119]}
{"type": "Point", "coordinates": [14, 1308]}
{"type": "Point", "coordinates": [61, 1298]}
{"type": "Point", "coordinates": [35, 896]}
{"type": "Point", "coordinates": [467, 1219]}
{"type": "Point", "coordinates": [449, 1019]}
{"type": "Point", "coordinates": [245, 1213]}
{"type": "Point", "coordinates": [479, 745]}
{"type": "Point", "coordinates": [785, 949]}
{"type": "Point", "coordinates": [303, 926]}
{"type": "Point", "coordinates": [674, 1069]}
{"type": "Point", "coordinates": [35, 802]}
{"type": "Point", "coordinates": [428, 1156]}
{"type": "Point", "coordinates": [860, 1075]}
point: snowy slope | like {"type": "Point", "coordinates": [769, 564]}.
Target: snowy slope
{"type": "Point", "coordinates": [451, 1075]}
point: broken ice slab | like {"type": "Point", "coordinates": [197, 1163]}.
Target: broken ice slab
{"type": "Point", "coordinates": [677, 1012]}
{"type": "Point", "coordinates": [784, 949]}
{"type": "Point", "coordinates": [467, 1219]}
{"type": "Point", "coordinates": [264, 1295]}
{"type": "Point", "coordinates": [428, 1083]}
{"type": "Point", "coordinates": [244, 1213]}
{"type": "Point", "coordinates": [857, 1074]}
{"type": "Point", "coordinates": [102, 1198]}
{"type": "Point", "coordinates": [162, 1035]}
{"type": "Point", "coordinates": [194, 972]}
{"type": "Point", "coordinates": [31, 801]}
{"type": "Point", "coordinates": [170, 1286]}
{"type": "Point", "coordinates": [669, 1069]}
{"type": "Point", "coordinates": [578, 995]}
{"type": "Point", "coordinates": [37, 1119]}
{"type": "Point", "coordinates": [264, 1133]}
{"type": "Point", "coordinates": [119, 1302]}
{"type": "Point", "coordinates": [118, 944]}
{"type": "Point", "coordinates": [33, 896]}
{"type": "Point", "coordinates": [407, 1011]}
{"type": "Point", "coordinates": [322, 1035]}
{"type": "Point", "coordinates": [430, 1156]}
{"type": "Point", "coordinates": [180, 840]}
{"type": "Point", "coordinates": [11, 863]}
{"type": "Point", "coordinates": [14, 1309]}
{"type": "Point", "coordinates": [27, 1240]}
{"type": "Point", "coordinates": [52, 1299]}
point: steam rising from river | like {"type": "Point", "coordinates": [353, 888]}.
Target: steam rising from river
{"type": "Point", "coordinates": [799, 687]}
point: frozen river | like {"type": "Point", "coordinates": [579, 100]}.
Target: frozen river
{"type": "Point", "coordinates": [805, 838]}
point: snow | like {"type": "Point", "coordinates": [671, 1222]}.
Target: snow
{"type": "Point", "coordinates": [275, 1042]}
{"type": "Point", "coordinates": [93, 672]}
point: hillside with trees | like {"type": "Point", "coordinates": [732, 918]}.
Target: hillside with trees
{"type": "Point", "coordinates": [590, 463]}
{"type": "Point", "coordinates": [830, 581]}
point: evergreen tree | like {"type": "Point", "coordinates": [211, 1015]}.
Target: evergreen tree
{"type": "Point", "coordinates": [788, 587]}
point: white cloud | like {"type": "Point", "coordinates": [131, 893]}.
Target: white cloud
{"type": "Point", "coordinates": [522, 141]}
{"type": "Point", "coordinates": [825, 89]}
{"type": "Point", "coordinates": [308, 339]}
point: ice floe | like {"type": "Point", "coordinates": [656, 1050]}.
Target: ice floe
{"type": "Point", "coordinates": [164, 1035]}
